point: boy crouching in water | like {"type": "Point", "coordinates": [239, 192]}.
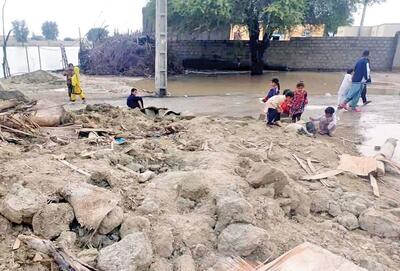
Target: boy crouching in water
{"type": "Point", "coordinates": [274, 107]}
{"type": "Point", "coordinates": [327, 122]}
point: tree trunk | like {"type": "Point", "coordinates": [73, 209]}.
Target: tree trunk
{"type": "Point", "coordinates": [363, 17]}
{"type": "Point", "coordinates": [257, 48]}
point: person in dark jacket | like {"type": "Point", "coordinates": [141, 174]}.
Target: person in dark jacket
{"type": "Point", "coordinates": [360, 77]}
{"type": "Point", "coordinates": [134, 101]}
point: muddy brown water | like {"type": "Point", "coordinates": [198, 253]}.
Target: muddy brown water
{"type": "Point", "coordinates": [233, 84]}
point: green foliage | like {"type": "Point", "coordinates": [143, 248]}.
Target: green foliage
{"type": "Point", "coordinates": [20, 30]}
{"type": "Point", "coordinates": [69, 39]}
{"type": "Point", "coordinates": [50, 30]}
{"type": "Point", "coordinates": [97, 34]}
{"type": "Point", "coordinates": [36, 37]}
{"type": "Point", "coordinates": [331, 13]}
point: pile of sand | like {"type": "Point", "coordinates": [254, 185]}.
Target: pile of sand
{"type": "Point", "coordinates": [36, 77]}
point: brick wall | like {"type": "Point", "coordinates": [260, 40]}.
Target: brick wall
{"type": "Point", "coordinates": [333, 53]}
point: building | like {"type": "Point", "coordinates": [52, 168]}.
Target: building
{"type": "Point", "coordinates": [240, 32]}
{"type": "Point", "coordinates": [382, 30]}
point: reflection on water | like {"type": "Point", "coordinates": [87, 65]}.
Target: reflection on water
{"type": "Point", "coordinates": [233, 84]}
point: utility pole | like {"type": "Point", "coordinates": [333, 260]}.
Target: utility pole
{"type": "Point", "coordinates": [161, 67]}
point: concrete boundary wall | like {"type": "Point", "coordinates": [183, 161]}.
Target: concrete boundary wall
{"type": "Point", "coordinates": [326, 54]}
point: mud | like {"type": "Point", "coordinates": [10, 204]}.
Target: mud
{"type": "Point", "coordinates": [216, 194]}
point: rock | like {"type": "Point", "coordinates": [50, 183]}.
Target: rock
{"type": "Point", "coordinates": [112, 220]}
{"type": "Point", "coordinates": [353, 203]}
{"type": "Point", "coordinates": [149, 207]}
{"type": "Point", "coordinates": [185, 263]}
{"type": "Point", "coordinates": [161, 265]}
{"type": "Point", "coordinates": [194, 188]}
{"type": "Point", "coordinates": [204, 257]}
{"type": "Point", "coordinates": [67, 239]}
{"type": "Point", "coordinates": [146, 176]}
{"type": "Point", "coordinates": [52, 220]}
{"type": "Point", "coordinates": [380, 223]}
{"type": "Point", "coordinates": [5, 225]}
{"type": "Point", "coordinates": [300, 202]}
{"type": "Point", "coordinates": [241, 240]}
{"type": "Point", "coordinates": [163, 241]}
{"type": "Point", "coordinates": [134, 252]}
{"type": "Point", "coordinates": [334, 209]}
{"type": "Point", "coordinates": [231, 209]}
{"type": "Point", "coordinates": [134, 224]}
{"type": "Point", "coordinates": [135, 167]}
{"type": "Point", "coordinates": [88, 256]}
{"type": "Point", "coordinates": [263, 174]}
{"type": "Point", "coordinates": [348, 220]}
{"type": "Point", "coordinates": [20, 204]}
{"type": "Point", "coordinates": [320, 202]}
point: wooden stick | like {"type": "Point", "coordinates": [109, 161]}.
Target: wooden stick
{"type": "Point", "coordinates": [63, 258]}
{"type": "Point", "coordinates": [374, 185]}
{"type": "Point", "coordinates": [310, 165]}
{"type": "Point", "coordinates": [270, 148]}
{"type": "Point", "coordinates": [324, 175]}
{"type": "Point", "coordinates": [302, 164]}
{"type": "Point", "coordinates": [16, 131]}
{"type": "Point", "coordinates": [75, 168]}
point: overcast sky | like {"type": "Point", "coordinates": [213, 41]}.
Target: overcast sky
{"type": "Point", "coordinates": [126, 14]}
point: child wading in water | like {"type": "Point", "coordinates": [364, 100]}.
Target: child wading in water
{"type": "Point", "coordinates": [299, 102]}
{"type": "Point", "coordinates": [327, 122]}
{"type": "Point", "coordinates": [345, 87]}
{"type": "Point", "coordinates": [275, 88]}
{"type": "Point", "coordinates": [274, 107]}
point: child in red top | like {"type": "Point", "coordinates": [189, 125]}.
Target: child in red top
{"type": "Point", "coordinates": [285, 106]}
{"type": "Point", "coordinates": [299, 102]}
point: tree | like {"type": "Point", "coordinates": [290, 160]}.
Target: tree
{"type": "Point", "coordinates": [50, 30]}
{"type": "Point", "coordinates": [97, 34]}
{"type": "Point", "coordinates": [330, 13]}
{"type": "Point", "coordinates": [365, 4]}
{"type": "Point", "coordinates": [36, 37]}
{"type": "Point", "coordinates": [266, 16]}
{"type": "Point", "coordinates": [20, 30]}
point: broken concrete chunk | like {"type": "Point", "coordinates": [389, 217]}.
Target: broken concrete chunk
{"type": "Point", "coordinates": [320, 202]}
{"type": "Point", "coordinates": [91, 204]}
{"type": "Point", "coordinates": [21, 203]}
{"type": "Point", "coordinates": [52, 220]}
{"type": "Point", "coordinates": [241, 240]}
{"type": "Point", "coordinates": [185, 263]}
{"type": "Point", "coordinates": [134, 252]}
{"type": "Point", "coordinates": [349, 221]}
{"type": "Point", "coordinates": [134, 224]}
{"type": "Point", "coordinates": [112, 220]}
{"type": "Point", "coordinates": [380, 223]}
{"type": "Point", "coordinates": [353, 203]}
{"type": "Point", "coordinates": [232, 208]}
{"type": "Point", "coordinates": [263, 174]}
{"type": "Point", "coordinates": [67, 239]}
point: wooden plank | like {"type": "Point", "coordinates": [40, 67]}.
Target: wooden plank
{"type": "Point", "coordinates": [374, 185]}
{"type": "Point", "coordinates": [16, 131]}
{"type": "Point", "coordinates": [75, 168]}
{"type": "Point", "coordinates": [301, 163]}
{"type": "Point", "coordinates": [324, 175]}
{"type": "Point", "coordinates": [310, 165]}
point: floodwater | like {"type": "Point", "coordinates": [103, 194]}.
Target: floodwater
{"type": "Point", "coordinates": [243, 84]}
{"type": "Point", "coordinates": [50, 57]}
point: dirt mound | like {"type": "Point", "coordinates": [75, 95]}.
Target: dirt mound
{"type": "Point", "coordinates": [36, 77]}
{"type": "Point", "coordinates": [220, 189]}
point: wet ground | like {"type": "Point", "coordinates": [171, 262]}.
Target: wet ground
{"type": "Point", "coordinates": [237, 95]}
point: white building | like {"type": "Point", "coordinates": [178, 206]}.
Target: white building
{"type": "Point", "coordinates": [383, 30]}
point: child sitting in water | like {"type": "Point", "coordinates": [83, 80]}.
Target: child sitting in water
{"type": "Point", "coordinates": [299, 103]}
{"type": "Point", "coordinates": [275, 88]}
{"type": "Point", "coordinates": [327, 122]}
{"type": "Point", "coordinates": [274, 107]}
{"type": "Point", "coordinates": [345, 86]}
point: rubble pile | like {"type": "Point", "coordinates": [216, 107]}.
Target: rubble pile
{"type": "Point", "coordinates": [121, 190]}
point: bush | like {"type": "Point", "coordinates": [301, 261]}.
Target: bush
{"type": "Point", "coordinates": [37, 37]}
{"type": "Point", "coordinates": [69, 39]}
